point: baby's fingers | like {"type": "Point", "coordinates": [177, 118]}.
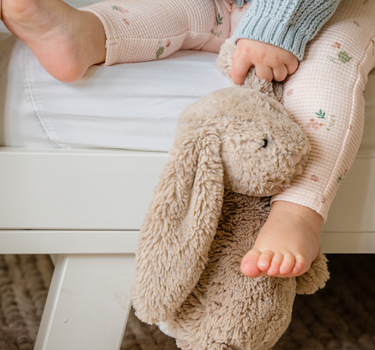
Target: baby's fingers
{"type": "Point", "coordinates": [240, 66]}
{"type": "Point", "coordinates": [264, 72]}
{"type": "Point", "coordinates": [292, 66]}
{"type": "Point", "coordinates": [280, 73]}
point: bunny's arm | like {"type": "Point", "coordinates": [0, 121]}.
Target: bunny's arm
{"type": "Point", "coordinates": [286, 24]}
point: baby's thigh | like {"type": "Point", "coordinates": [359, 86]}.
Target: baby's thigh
{"type": "Point", "coordinates": [326, 93]}
{"type": "Point", "coordinates": [209, 24]}
{"type": "Point", "coordinates": [325, 97]}
{"type": "Point", "coordinates": [143, 30]}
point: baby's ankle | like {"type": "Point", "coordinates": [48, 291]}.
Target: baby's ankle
{"type": "Point", "coordinates": [309, 215]}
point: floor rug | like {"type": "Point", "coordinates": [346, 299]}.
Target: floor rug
{"type": "Point", "coordinates": [339, 317]}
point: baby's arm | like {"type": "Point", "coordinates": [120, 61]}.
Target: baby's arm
{"type": "Point", "coordinates": [273, 34]}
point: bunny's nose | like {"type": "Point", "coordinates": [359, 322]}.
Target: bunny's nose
{"type": "Point", "coordinates": [296, 158]}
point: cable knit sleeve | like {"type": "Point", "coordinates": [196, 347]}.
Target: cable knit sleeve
{"type": "Point", "coordinates": [288, 24]}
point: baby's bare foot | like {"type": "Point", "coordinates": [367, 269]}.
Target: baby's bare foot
{"type": "Point", "coordinates": [287, 244]}
{"type": "Point", "coordinates": [66, 41]}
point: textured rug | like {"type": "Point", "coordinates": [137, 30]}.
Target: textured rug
{"type": "Point", "coordinates": [341, 316]}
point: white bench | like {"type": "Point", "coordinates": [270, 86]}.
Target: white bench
{"type": "Point", "coordinates": [85, 208]}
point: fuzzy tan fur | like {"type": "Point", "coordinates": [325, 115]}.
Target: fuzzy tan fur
{"type": "Point", "coordinates": [208, 207]}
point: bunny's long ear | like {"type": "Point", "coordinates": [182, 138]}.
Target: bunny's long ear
{"type": "Point", "coordinates": [315, 278]}
{"type": "Point", "coordinates": [179, 226]}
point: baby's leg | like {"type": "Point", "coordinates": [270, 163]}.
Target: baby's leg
{"type": "Point", "coordinates": [67, 41]}
{"type": "Point", "coordinates": [144, 30]}
{"type": "Point", "coordinates": [325, 96]}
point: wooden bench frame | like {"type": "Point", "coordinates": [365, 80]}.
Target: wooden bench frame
{"type": "Point", "coordinates": [85, 208]}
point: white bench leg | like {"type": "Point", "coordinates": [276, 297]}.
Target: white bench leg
{"type": "Point", "coordinates": [88, 303]}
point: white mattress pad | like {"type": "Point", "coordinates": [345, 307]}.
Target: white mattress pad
{"type": "Point", "coordinates": [129, 106]}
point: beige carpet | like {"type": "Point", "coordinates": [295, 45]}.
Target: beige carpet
{"type": "Point", "coordinates": [341, 316]}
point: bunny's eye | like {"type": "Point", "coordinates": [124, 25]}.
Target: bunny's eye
{"type": "Point", "coordinates": [265, 143]}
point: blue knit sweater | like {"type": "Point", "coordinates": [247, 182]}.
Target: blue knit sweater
{"type": "Point", "coordinates": [288, 24]}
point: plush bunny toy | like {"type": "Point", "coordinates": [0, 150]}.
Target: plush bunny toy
{"type": "Point", "coordinates": [233, 149]}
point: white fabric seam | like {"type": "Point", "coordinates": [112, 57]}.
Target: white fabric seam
{"type": "Point", "coordinates": [32, 97]}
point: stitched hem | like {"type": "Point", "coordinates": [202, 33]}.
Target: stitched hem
{"type": "Point", "coordinates": [109, 32]}
{"type": "Point", "coordinates": [301, 199]}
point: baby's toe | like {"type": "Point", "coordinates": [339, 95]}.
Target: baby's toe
{"type": "Point", "coordinates": [249, 264]}
{"type": "Point", "coordinates": [274, 269]}
{"type": "Point", "coordinates": [288, 264]}
{"type": "Point", "coordinates": [265, 259]}
{"type": "Point", "coordinates": [300, 266]}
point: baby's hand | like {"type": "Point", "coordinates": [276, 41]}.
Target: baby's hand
{"type": "Point", "coordinates": [271, 62]}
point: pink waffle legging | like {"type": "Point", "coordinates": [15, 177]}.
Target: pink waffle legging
{"type": "Point", "coordinates": [324, 96]}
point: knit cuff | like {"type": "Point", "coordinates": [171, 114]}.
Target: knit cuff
{"type": "Point", "coordinates": [286, 24]}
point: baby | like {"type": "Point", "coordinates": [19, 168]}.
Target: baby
{"type": "Point", "coordinates": [324, 95]}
